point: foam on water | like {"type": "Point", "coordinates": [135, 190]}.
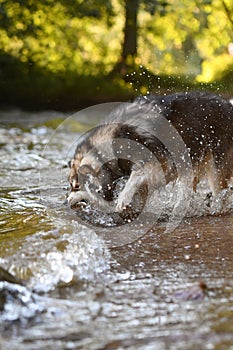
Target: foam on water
{"type": "Point", "coordinates": [69, 253]}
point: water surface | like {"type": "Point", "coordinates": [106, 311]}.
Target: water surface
{"type": "Point", "coordinates": [80, 289]}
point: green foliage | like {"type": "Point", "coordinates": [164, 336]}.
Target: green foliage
{"type": "Point", "coordinates": [186, 39]}
{"type": "Point", "coordinates": [49, 34]}
{"type": "Point", "coordinates": [59, 54]}
{"type": "Point", "coordinates": [213, 44]}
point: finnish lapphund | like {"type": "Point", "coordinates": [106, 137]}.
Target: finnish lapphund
{"type": "Point", "coordinates": [203, 120]}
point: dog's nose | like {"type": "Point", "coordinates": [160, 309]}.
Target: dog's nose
{"type": "Point", "coordinates": [74, 185]}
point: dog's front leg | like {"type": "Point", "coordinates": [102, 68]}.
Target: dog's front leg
{"type": "Point", "coordinates": [136, 180]}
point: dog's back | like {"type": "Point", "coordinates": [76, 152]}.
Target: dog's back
{"type": "Point", "coordinates": [205, 123]}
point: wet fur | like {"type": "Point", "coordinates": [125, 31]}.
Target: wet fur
{"type": "Point", "coordinates": [203, 120]}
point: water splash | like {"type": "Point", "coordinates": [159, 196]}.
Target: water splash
{"type": "Point", "coordinates": [163, 201]}
{"type": "Point", "coordinates": [69, 253]}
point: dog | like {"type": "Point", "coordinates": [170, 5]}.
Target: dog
{"type": "Point", "coordinates": [202, 120]}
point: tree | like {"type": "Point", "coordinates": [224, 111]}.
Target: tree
{"type": "Point", "coordinates": [56, 46]}
{"type": "Point", "coordinates": [129, 46]}
{"type": "Point", "coordinates": [129, 52]}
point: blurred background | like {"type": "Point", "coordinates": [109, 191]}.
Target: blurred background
{"type": "Point", "coordinates": [66, 55]}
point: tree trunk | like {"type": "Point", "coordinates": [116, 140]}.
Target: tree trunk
{"type": "Point", "coordinates": [129, 46]}
{"type": "Point", "coordinates": [130, 30]}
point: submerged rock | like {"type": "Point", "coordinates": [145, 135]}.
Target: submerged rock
{"type": "Point", "coordinates": [17, 302]}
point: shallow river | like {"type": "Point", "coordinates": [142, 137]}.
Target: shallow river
{"type": "Point", "coordinates": [85, 286]}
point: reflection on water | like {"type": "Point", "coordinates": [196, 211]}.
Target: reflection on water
{"type": "Point", "coordinates": [80, 292]}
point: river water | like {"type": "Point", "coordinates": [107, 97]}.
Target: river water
{"type": "Point", "coordinates": [92, 286]}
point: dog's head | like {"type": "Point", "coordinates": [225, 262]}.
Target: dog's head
{"type": "Point", "coordinates": [88, 175]}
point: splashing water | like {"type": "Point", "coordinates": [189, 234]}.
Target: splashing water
{"type": "Point", "coordinates": [67, 254]}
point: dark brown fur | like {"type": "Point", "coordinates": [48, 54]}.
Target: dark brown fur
{"type": "Point", "coordinates": [203, 120]}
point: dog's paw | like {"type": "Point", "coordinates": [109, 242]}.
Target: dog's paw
{"type": "Point", "coordinates": [76, 197]}
{"type": "Point", "coordinates": [124, 200]}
